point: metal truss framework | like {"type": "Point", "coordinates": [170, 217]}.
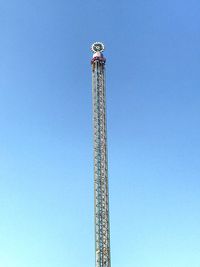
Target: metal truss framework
{"type": "Point", "coordinates": [101, 194]}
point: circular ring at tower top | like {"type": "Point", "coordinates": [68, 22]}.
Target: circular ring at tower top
{"type": "Point", "coordinates": [97, 47]}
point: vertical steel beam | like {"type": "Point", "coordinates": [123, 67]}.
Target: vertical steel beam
{"type": "Point", "coordinates": [101, 194]}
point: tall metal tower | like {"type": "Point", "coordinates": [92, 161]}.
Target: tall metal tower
{"type": "Point", "coordinates": [101, 194]}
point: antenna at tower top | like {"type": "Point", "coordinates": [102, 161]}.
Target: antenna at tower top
{"type": "Point", "coordinates": [97, 47]}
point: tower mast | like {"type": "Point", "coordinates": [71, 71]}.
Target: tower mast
{"type": "Point", "coordinates": [101, 194]}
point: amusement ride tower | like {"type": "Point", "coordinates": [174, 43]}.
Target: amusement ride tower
{"type": "Point", "coordinates": [101, 194]}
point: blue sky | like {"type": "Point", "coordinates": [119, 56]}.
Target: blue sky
{"type": "Point", "coordinates": [46, 144]}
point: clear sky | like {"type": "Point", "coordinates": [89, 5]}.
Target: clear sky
{"type": "Point", "coordinates": [46, 144]}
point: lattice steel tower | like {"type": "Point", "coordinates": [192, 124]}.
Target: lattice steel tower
{"type": "Point", "coordinates": [101, 194]}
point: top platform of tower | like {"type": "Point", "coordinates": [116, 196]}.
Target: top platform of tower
{"type": "Point", "coordinates": [97, 48]}
{"type": "Point", "coordinates": [98, 57]}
